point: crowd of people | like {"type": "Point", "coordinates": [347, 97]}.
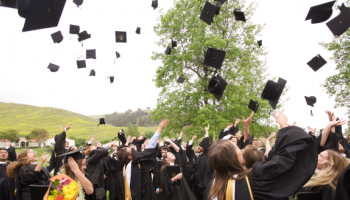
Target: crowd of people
{"type": "Point", "coordinates": [298, 166]}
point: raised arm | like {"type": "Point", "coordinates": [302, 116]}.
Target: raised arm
{"type": "Point", "coordinates": [172, 144]}
{"type": "Point", "coordinates": [121, 137]}
{"type": "Point", "coordinates": [154, 139]}
{"type": "Point", "coordinates": [246, 123]}
{"type": "Point", "coordinates": [87, 185]}
{"type": "Point", "coordinates": [326, 131]}
{"type": "Point", "coordinates": [43, 158]}
{"type": "Point", "coordinates": [97, 154]}
{"type": "Point", "coordinates": [268, 145]}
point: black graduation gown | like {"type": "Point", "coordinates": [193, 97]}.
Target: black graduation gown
{"type": "Point", "coordinates": [138, 143]}
{"type": "Point", "coordinates": [7, 187]}
{"type": "Point", "coordinates": [313, 136]}
{"type": "Point", "coordinates": [191, 169]}
{"type": "Point", "coordinates": [343, 185]}
{"type": "Point", "coordinates": [327, 192]}
{"type": "Point", "coordinates": [141, 183]}
{"type": "Point", "coordinates": [94, 171]}
{"type": "Point", "coordinates": [122, 138]}
{"type": "Point", "coordinates": [231, 131]}
{"type": "Point", "coordinates": [115, 167]}
{"type": "Point", "coordinates": [28, 176]}
{"type": "Point", "coordinates": [156, 179]}
{"type": "Point", "coordinates": [60, 149]}
{"type": "Point", "coordinates": [175, 192]}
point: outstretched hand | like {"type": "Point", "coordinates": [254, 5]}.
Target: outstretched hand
{"type": "Point", "coordinates": [181, 134]}
{"type": "Point", "coordinates": [7, 143]}
{"type": "Point", "coordinates": [207, 128]}
{"type": "Point", "coordinates": [313, 131]}
{"type": "Point", "coordinates": [246, 122]}
{"type": "Point", "coordinates": [194, 137]}
{"type": "Point", "coordinates": [330, 114]}
{"type": "Point", "coordinates": [44, 157]}
{"type": "Point", "coordinates": [162, 125]}
{"type": "Point", "coordinates": [229, 126]}
{"type": "Point", "coordinates": [334, 122]}
{"type": "Point", "coordinates": [92, 138]}
{"type": "Point", "coordinates": [273, 134]}
{"type": "Point", "coordinates": [166, 139]}
{"type": "Point", "coordinates": [281, 119]}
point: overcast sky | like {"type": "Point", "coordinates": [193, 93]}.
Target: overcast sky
{"type": "Point", "coordinates": [24, 78]}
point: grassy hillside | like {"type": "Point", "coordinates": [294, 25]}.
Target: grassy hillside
{"type": "Point", "coordinates": [25, 118]}
{"type": "Point", "coordinates": [96, 116]}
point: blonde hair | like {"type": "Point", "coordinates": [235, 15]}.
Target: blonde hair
{"type": "Point", "coordinates": [335, 165]}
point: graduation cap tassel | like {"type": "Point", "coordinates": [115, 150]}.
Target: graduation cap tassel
{"type": "Point", "coordinates": [71, 37]}
{"type": "Point", "coordinates": [82, 44]}
{"type": "Point", "coordinates": [311, 113]}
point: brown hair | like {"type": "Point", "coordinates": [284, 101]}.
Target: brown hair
{"type": "Point", "coordinates": [13, 168]}
{"type": "Point", "coordinates": [223, 158]}
{"type": "Point", "coordinates": [68, 171]}
{"type": "Point", "coordinates": [251, 154]}
{"type": "Point", "coordinates": [123, 156]}
{"type": "Point", "coordinates": [87, 151]}
{"type": "Point", "coordinates": [165, 148]}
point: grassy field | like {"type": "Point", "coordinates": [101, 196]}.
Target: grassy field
{"type": "Point", "coordinates": [25, 118]}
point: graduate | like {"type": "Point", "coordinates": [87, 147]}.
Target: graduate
{"type": "Point", "coordinates": [171, 190]}
{"type": "Point", "coordinates": [230, 130]}
{"type": "Point", "coordinates": [28, 174]}
{"type": "Point", "coordinates": [135, 181]}
{"type": "Point", "coordinates": [292, 163]}
{"type": "Point", "coordinates": [7, 185]}
{"type": "Point", "coordinates": [59, 149]}
{"type": "Point", "coordinates": [114, 167]}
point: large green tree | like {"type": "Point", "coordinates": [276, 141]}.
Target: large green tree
{"type": "Point", "coordinates": [338, 85]}
{"type": "Point", "coordinates": [189, 105]}
{"type": "Point", "coordinates": [10, 134]}
{"type": "Point", "coordinates": [40, 135]}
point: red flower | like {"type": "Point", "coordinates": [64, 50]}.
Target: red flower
{"type": "Point", "coordinates": [59, 197]}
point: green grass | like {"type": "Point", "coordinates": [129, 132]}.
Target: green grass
{"type": "Point", "coordinates": [25, 118]}
{"type": "Point", "coordinates": [39, 152]}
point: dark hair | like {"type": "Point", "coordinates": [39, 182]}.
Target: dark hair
{"type": "Point", "coordinates": [123, 156]}
{"type": "Point", "coordinates": [251, 154]}
{"type": "Point", "coordinates": [223, 158]}
{"type": "Point", "coordinates": [166, 148]}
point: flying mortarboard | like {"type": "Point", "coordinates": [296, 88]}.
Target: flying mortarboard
{"type": "Point", "coordinates": [117, 54]}
{"type": "Point", "coordinates": [92, 73]}
{"type": "Point", "coordinates": [138, 30]}
{"type": "Point", "coordinates": [154, 4]}
{"type": "Point", "coordinates": [214, 58]}
{"type": "Point", "coordinates": [91, 53]}
{"type": "Point", "coordinates": [168, 51]}
{"type": "Point", "coordinates": [53, 67]}
{"type": "Point", "coordinates": [120, 36]}
{"type": "Point", "coordinates": [218, 7]}
{"type": "Point", "coordinates": [76, 154]}
{"type": "Point", "coordinates": [217, 86]}
{"type": "Point", "coordinates": [111, 79]}
{"type": "Point", "coordinates": [73, 29]}
{"type": "Point", "coordinates": [57, 37]}
{"type": "Point", "coordinates": [340, 24]}
{"type": "Point", "coordinates": [78, 2]}
{"type": "Point", "coordinates": [181, 79]}
{"type": "Point", "coordinates": [259, 43]}
{"type": "Point", "coordinates": [81, 64]}
{"type": "Point", "coordinates": [317, 62]}
{"type": "Point", "coordinates": [8, 3]}
{"type": "Point", "coordinates": [221, 1]}
{"type": "Point", "coordinates": [342, 7]}
{"type": "Point", "coordinates": [40, 13]}
{"type": "Point", "coordinates": [102, 121]}
{"type": "Point", "coordinates": [173, 43]}
{"type": "Point", "coordinates": [273, 91]}
{"type": "Point", "coordinates": [83, 36]}
{"type": "Point", "coordinates": [208, 13]}
{"type": "Point", "coordinates": [239, 15]}
{"type": "Point", "coordinates": [320, 13]}
{"type": "Point", "coordinates": [253, 105]}
{"type": "Point", "coordinates": [310, 100]}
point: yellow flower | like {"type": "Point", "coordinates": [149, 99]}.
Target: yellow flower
{"type": "Point", "coordinates": [53, 195]}
{"type": "Point", "coordinates": [69, 191]}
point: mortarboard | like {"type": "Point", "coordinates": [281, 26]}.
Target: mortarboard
{"type": "Point", "coordinates": [217, 86]}
{"type": "Point", "coordinates": [40, 13]}
{"type": "Point", "coordinates": [273, 91]}
{"type": "Point", "coordinates": [239, 15]}
{"type": "Point", "coordinates": [117, 54]}
{"type": "Point", "coordinates": [53, 67]}
{"type": "Point", "coordinates": [138, 30]}
{"type": "Point", "coordinates": [221, 1]}
{"type": "Point", "coordinates": [310, 100]}
{"type": "Point", "coordinates": [38, 191]}
{"type": "Point", "coordinates": [120, 36]}
{"type": "Point", "coordinates": [340, 23]}
{"type": "Point", "coordinates": [253, 105]}
{"type": "Point", "coordinates": [92, 73]}
{"type": "Point", "coordinates": [218, 6]}
{"type": "Point", "coordinates": [173, 43]}
{"type": "Point", "coordinates": [342, 7]}
{"type": "Point", "coordinates": [91, 53]}
{"type": "Point", "coordinates": [78, 2]}
{"type": "Point", "coordinates": [316, 63]}
{"type": "Point", "coordinates": [208, 13]}
{"type": "Point", "coordinates": [181, 79]}
{"type": "Point", "coordinates": [57, 37]}
{"type": "Point", "coordinates": [168, 50]}
{"type": "Point", "coordinates": [102, 121]}
{"type": "Point", "coordinates": [76, 154]}
{"type": "Point", "coordinates": [214, 58]}
{"type": "Point", "coordinates": [8, 3]}
{"type": "Point", "coordinates": [320, 13]}
{"type": "Point", "coordinates": [154, 4]}
{"type": "Point", "coordinates": [83, 36]}
{"type": "Point", "coordinates": [259, 43]}
{"type": "Point", "coordinates": [111, 79]}
{"type": "Point", "coordinates": [73, 29]}
{"type": "Point", "coordinates": [81, 64]}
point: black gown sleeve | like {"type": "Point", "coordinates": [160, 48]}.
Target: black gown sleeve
{"type": "Point", "coordinates": [122, 138]}
{"type": "Point", "coordinates": [313, 136]}
{"type": "Point", "coordinates": [11, 154]}
{"type": "Point", "coordinates": [97, 154]}
{"type": "Point", "coordinates": [178, 143]}
{"type": "Point", "coordinates": [189, 152]}
{"type": "Point", "coordinates": [331, 142]}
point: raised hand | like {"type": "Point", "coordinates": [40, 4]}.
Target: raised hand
{"type": "Point", "coordinates": [207, 128]}
{"type": "Point", "coordinates": [166, 139]}
{"type": "Point", "coordinates": [44, 157]}
{"type": "Point", "coordinates": [246, 122]}
{"type": "Point", "coordinates": [334, 122]}
{"type": "Point", "coordinates": [281, 119]}
{"type": "Point", "coordinates": [273, 134]}
{"type": "Point", "coordinates": [229, 126]}
{"type": "Point", "coordinates": [194, 137]}
{"type": "Point", "coordinates": [330, 115]}
{"type": "Point", "coordinates": [181, 134]}
{"type": "Point", "coordinates": [313, 131]}
{"type": "Point", "coordinates": [237, 121]}
{"type": "Point", "coordinates": [7, 143]}
{"type": "Point", "coordinates": [294, 123]}
{"type": "Point", "coordinates": [92, 138]}
{"type": "Point", "coordinates": [68, 127]}
{"type": "Point", "coordinates": [73, 165]}
{"type": "Point", "coordinates": [163, 123]}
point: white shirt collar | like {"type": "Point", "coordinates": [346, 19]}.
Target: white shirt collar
{"type": "Point", "coordinates": [1, 163]}
{"type": "Point", "coordinates": [33, 163]}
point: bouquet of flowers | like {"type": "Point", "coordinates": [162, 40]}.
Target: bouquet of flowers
{"type": "Point", "coordinates": [65, 188]}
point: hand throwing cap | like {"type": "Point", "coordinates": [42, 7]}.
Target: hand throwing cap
{"type": "Point", "coordinates": [154, 4]}
{"type": "Point", "coordinates": [91, 53]}
{"type": "Point", "coordinates": [273, 91]}
{"type": "Point", "coordinates": [73, 29]}
{"type": "Point", "coordinates": [120, 36]}
{"type": "Point", "coordinates": [208, 13]}
{"type": "Point", "coordinates": [253, 105]}
{"type": "Point", "coordinates": [214, 58]}
{"type": "Point", "coordinates": [81, 64]}
{"type": "Point", "coordinates": [83, 36]}
{"type": "Point", "coordinates": [239, 15]}
{"type": "Point", "coordinates": [340, 24]}
{"type": "Point", "coordinates": [217, 86]}
{"type": "Point", "coordinates": [168, 51]}
{"type": "Point", "coordinates": [92, 73]}
{"type": "Point", "coordinates": [41, 13]}
{"type": "Point", "coordinates": [316, 63]}
{"type": "Point", "coordinates": [310, 100]}
{"type": "Point", "coordinates": [57, 37]}
{"type": "Point", "coordinates": [320, 13]}
{"type": "Point", "coordinates": [53, 67]}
